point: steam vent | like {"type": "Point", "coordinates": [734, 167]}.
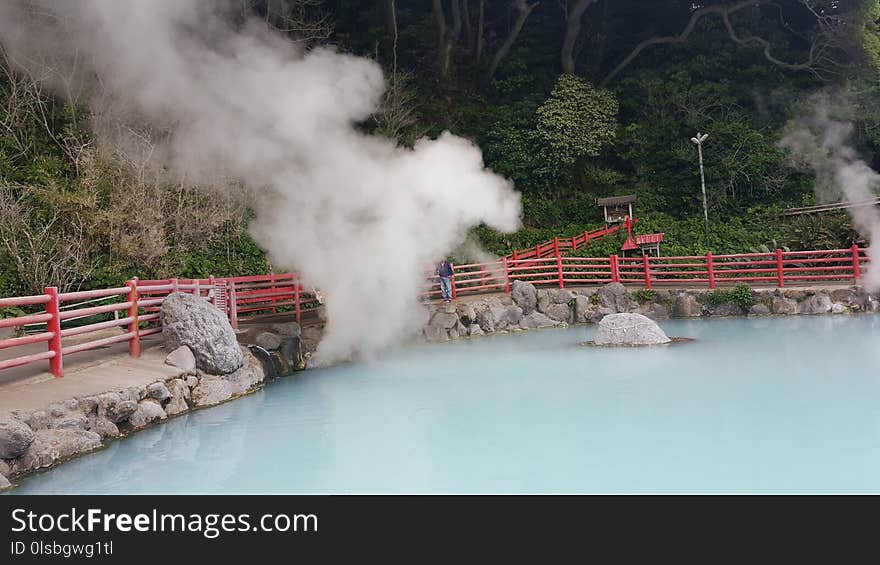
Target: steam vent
{"type": "Point", "coordinates": [629, 330]}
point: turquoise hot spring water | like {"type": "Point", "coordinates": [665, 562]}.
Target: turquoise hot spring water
{"type": "Point", "coordinates": [765, 405]}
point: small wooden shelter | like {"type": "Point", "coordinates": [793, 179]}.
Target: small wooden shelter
{"type": "Point", "coordinates": [650, 243]}
{"type": "Point", "coordinates": [617, 208]}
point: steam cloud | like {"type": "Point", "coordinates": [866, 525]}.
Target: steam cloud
{"type": "Point", "coordinates": [360, 217]}
{"type": "Point", "coordinates": [821, 141]}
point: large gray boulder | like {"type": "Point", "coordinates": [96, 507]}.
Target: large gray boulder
{"type": "Point", "coordinates": [214, 389]}
{"type": "Point", "coordinates": [544, 299]}
{"type": "Point", "coordinates": [291, 354]}
{"type": "Point", "coordinates": [103, 427]}
{"type": "Point", "coordinates": [656, 311]}
{"type": "Point", "coordinates": [211, 390]}
{"type": "Point", "coordinates": [268, 341]}
{"type": "Point", "coordinates": [500, 316]}
{"type": "Point", "coordinates": [483, 317]}
{"type": "Point", "coordinates": [686, 306]}
{"type": "Point", "coordinates": [444, 320]}
{"type": "Point", "coordinates": [816, 304]}
{"type": "Point", "coordinates": [842, 295]}
{"type": "Point", "coordinates": [180, 393]}
{"type": "Point", "coordinates": [583, 308]}
{"type": "Point", "coordinates": [759, 310]}
{"type": "Point", "coordinates": [614, 297]}
{"type": "Point", "coordinates": [182, 358]}
{"type": "Point", "coordinates": [781, 305]}
{"type": "Point", "coordinates": [536, 320]}
{"type": "Point", "coordinates": [15, 437]}
{"type": "Point", "coordinates": [466, 312]}
{"type": "Point", "coordinates": [725, 309]}
{"type": "Point", "coordinates": [432, 333]}
{"type": "Point", "coordinates": [287, 329]}
{"type": "Point", "coordinates": [629, 329]}
{"type": "Point", "coordinates": [859, 299]}
{"type": "Point", "coordinates": [148, 411]}
{"type": "Point", "coordinates": [193, 321]}
{"type": "Point", "coordinates": [558, 312]}
{"type": "Point", "coordinates": [115, 407]}
{"type": "Point", "coordinates": [525, 296]}
{"type": "Point", "coordinates": [158, 391]}
{"type": "Point", "coordinates": [514, 314]}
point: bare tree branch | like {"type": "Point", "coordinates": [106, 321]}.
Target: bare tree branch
{"type": "Point", "coordinates": [818, 62]}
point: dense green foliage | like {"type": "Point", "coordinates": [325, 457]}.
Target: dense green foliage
{"type": "Point", "coordinates": [741, 295]}
{"type": "Point", "coordinates": [577, 120]}
{"type": "Point", "coordinates": [618, 122]}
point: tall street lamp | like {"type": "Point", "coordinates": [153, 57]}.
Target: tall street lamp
{"type": "Point", "coordinates": [698, 141]}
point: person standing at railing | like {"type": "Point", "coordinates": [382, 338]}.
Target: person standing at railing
{"type": "Point", "coordinates": [445, 271]}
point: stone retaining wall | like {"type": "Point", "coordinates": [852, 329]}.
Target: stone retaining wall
{"type": "Point", "coordinates": [528, 308]}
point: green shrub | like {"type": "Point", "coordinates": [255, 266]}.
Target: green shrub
{"type": "Point", "coordinates": [644, 295]}
{"type": "Point", "coordinates": [741, 295]}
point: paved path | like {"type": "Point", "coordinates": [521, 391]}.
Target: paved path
{"type": "Point", "coordinates": [85, 374]}
{"type": "Point", "coordinates": [107, 368]}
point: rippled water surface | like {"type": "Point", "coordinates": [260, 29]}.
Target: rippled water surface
{"type": "Point", "coordinates": [759, 405]}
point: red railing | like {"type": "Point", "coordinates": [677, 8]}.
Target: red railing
{"type": "Point", "coordinates": [139, 301]}
{"type": "Point", "coordinates": [563, 245]}
{"type": "Point", "coordinates": [776, 268]}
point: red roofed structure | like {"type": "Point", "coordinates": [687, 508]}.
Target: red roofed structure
{"type": "Point", "coordinates": [650, 243]}
{"type": "Point", "coordinates": [649, 238]}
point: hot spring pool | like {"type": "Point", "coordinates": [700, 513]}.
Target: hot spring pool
{"type": "Point", "coordinates": [755, 405]}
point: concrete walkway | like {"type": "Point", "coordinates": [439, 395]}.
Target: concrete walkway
{"type": "Point", "coordinates": [88, 373]}
{"type": "Point", "coordinates": [32, 386]}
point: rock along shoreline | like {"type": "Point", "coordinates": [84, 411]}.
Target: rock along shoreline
{"type": "Point", "coordinates": [527, 308]}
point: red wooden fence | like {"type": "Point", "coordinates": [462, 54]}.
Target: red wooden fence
{"type": "Point", "coordinates": [563, 245]}
{"type": "Point", "coordinates": [139, 301]}
{"type": "Point", "coordinates": [776, 268]}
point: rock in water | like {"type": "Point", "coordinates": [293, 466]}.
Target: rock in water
{"type": "Point", "coordinates": [195, 322]}
{"type": "Point", "coordinates": [629, 329]}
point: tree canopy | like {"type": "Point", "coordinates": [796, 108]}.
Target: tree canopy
{"type": "Point", "coordinates": [570, 99]}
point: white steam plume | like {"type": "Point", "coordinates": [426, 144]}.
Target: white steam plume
{"type": "Point", "coordinates": [821, 141]}
{"type": "Point", "coordinates": [360, 217]}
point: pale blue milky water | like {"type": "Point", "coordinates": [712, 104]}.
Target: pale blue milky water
{"type": "Point", "coordinates": [782, 405]}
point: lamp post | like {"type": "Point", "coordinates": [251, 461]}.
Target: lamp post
{"type": "Point", "coordinates": [698, 141]}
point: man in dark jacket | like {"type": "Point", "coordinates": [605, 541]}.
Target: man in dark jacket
{"type": "Point", "coordinates": [444, 269]}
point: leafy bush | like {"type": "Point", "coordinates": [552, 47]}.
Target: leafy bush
{"type": "Point", "coordinates": [644, 295]}
{"type": "Point", "coordinates": [11, 312]}
{"type": "Point", "coordinates": [742, 295]}
{"type": "Point", "coordinates": [578, 119]}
